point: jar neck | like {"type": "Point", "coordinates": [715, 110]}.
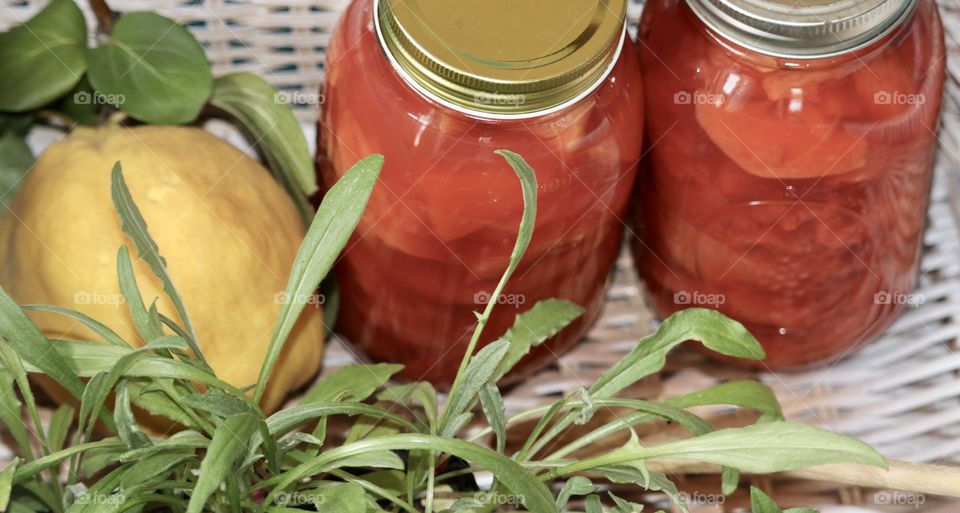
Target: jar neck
{"type": "Point", "coordinates": [493, 98]}
{"type": "Point", "coordinates": [800, 51]}
{"type": "Point", "coordinates": [765, 60]}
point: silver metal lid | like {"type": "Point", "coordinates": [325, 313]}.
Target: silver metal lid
{"type": "Point", "coordinates": [802, 29]}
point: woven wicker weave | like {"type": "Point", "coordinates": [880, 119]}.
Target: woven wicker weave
{"type": "Point", "coordinates": [901, 394]}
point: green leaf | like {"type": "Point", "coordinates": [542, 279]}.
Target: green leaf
{"type": "Point", "coordinates": [156, 67]}
{"type": "Point", "coordinates": [59, 427]}
{"type": "Point", "coordinates": [533, 327]}
{"type": "Point", "coordinates": [272, 125]}
{"type": "Point", "coordinates": [479, 372]}
{"type": "Point", "coordinates": [767, 448]}
{"type": "Point", "coordinates": [229, 445]}
{"type": "Point", "coordinates": [6, 482]}
{"type": "Point", "coordinates": [108, 335]}
{"type": "Point", "coordinates": [339, 497]}
{"type": "Point", "coordinates": [745, 394]}
{"type": "Point", "coordinates": [420, 392]}
{"type": "Point", "coordinates": [135, 227]}
{"type": "Point", "coordinates": [528, 186]}
{"type": "Point", "coordinates": [127, 428]}
{"type": "Point", "coordinates": [351, 383]}
{"type": "Point", "coordinates": [16, 159]}
{"type": "Point", "coordinates": [97, 389]}
{"type": "Point", "coordinates": [10, 415]}
{"type": "Point", "coordinates": [217, 404]}
{"type": "Point", "coordinates": [493, 409]}
{"type": "Point", "coordinates": [155, 467]}
{"type": "Point", "coordinates": [713, 329]}
{"type": "Point", "coordinates": [131, 294]}
{"type": "Point", "coordinates": [761, 502]}
{"type": "Point", "coordinates": [33, 347]}
{"type": "Point", "coordinates": [337, 217]}
{"type": "Point", "coordinates": [371, 459]}
{"type": "Point", "coordinates": [593, 504]}
{"type": "Point", "coordinates": [522, 483]}
{"type": "Point", "coordinates": [576, 485]}
{"type": "Point", "coordinates": [34, 467]}
{"type": "Point", "coordinates": [159, 398]}
{"type": "Point", "coordinates": [42, 59]}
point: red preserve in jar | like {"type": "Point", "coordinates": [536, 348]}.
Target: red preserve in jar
{"type": "Point", "coordinates": [791, 146]}
{"type": "Point", "coordinates": [437, 86]}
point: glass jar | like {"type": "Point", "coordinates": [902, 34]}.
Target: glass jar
{"type": "Point", "coordinates": [790, 156]}
{"type": "Point", "coordinates": [437, 86]}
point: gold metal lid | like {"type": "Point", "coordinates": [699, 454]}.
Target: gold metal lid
{"type": "Point", "coordinates": [504, 58]}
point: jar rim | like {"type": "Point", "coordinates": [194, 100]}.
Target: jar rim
{"type": "Point", "coordinates": [538, 75]}
{"type": "Point", "coordinates": [803, 29]}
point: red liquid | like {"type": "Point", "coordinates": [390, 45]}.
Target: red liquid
{"type": "Point", "coordinates": [789, 195]}
{"type": "Point", "coordinates": [441, 223]}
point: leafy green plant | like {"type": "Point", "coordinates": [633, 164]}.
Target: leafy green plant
{"type": "Point", "coordinates": [405, 447]}
{"type": "Point", "coordinates": [146, 68]}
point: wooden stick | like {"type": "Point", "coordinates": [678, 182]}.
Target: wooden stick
{"type": "Point", "coordinates": [903, 476]}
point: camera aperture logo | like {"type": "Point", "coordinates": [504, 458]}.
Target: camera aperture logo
{"type": "Point", "coordinates": [98, 98]}
{"type": "Point", "coordinates": [698, 98]}
{"type": "Point", "coordinates": [899, 499]}
{"type": "Point", "coordinates": [697, 298]}
{"type": "Point", "coordinates": [501, 99]}
{"type": "Point", "coordinates": [315, 299]}
{"type": "Point", "coordinates": [898, 98]}
{"type": "Point", "coordinates": [885, 297]}
{"type": "Point", "coordinates": [298, 98]}
{"type": "Point", "coordinates": [93, 297]}
{"type": "Point", "coordinates": [483, 297]}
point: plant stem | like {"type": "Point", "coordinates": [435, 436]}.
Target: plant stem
{"type": "Point", "coordinates": [105, 16]}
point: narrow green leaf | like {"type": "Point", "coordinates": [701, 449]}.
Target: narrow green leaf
{"type": "Point", "coordinates": [34, 467]}
{"type": "Point", "coordinates": [533, 327]}
{"type": "Point", "coordinates": [761, 502]}
{"type": "Point", "coordinates": [493, 408]}
{"type": "Point", "coordinates": [407, 394]}
{"type": "Point", "coordinates": [6, 482]}
{"type": "Point", "coordinates": [154, 69]}
{"type": "Point", "coordinates": [352, 383]}
{"type": "Point", "coordinates": [713, 329]}
{"type": "Point", "coordinates": [522, 483]}
{"type": "Point", "coordinates": [33, 347]}
{"type": "Point", "coordinates": [229, 444]}
{"type": "Point", "coordinates": [270, 122]}
{"type": "Point", "coordinates": [108, 335]}
{"type": "Point", "coordinates": [768, 448]}
{"type": "Point", "coordinates": [10, 415]}
{"type": "Point", "coordinates": [337, 217]}
{"type": "Point", "coordinates": [216, 403]}
{"type": "Point", "coordinates": [528, 186]}
{"type": "Point", "coordinates": [576, 485]}
{"type": "Point", "coordinates": [127, 427]}
{"type": "Point", "coordinates": [42, 59]}
{"type": "Point", "coordinates": [593, 504]}
{"type": "Point", "coordinates": [135, 227]}
{"type": "Point", "coordinates": [59, 426]}
{"type": "Point", "coordinates": [745, 394]}
{"type": "Point", "coordinates": [339, 497]}
{"type": "Point", "coordinates": [479, 372]}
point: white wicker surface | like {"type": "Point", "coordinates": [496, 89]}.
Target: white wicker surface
{"type": "Point", "coordinates": [901, 393]}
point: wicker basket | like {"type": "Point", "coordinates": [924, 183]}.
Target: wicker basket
{"type": "Point", "coordinates": [901, 394]}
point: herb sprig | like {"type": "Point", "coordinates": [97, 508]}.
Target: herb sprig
{"type": "Point", "coordinates": [231, 457]}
